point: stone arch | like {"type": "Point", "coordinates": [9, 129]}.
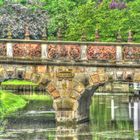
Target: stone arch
{"type": "Point", "coordinates": [53, 91]}
{"type": "Point", "coordinates": [66, 106]}
{"type": "Point", "coordinates": [97, 80]}
{"type": "Point", "coordinates": [72, 104]}
{"type": "Point", "coordinates": [77, 89]}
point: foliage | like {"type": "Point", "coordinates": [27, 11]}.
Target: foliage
{"type": "Point", "coordinates": [91, 16]}
{"type": "Point", "coordinates": [81, 22]}
{"type": "Point", "coordinates": [59, 11]}
{"type": "Point", "coordinates": [10, 103]}
{"type": "Point", "coordinates": [16, 17]}
{"type": "Point", "coordinates": [37, 97]}
{"type": "Point", "coordinates": [75, 18]}
{"type": "Point", "coordinates": [17, 82]}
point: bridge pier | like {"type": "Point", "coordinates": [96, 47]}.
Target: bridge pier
{"type": "Point", "coordinates": [78, 113]}
{"type": "Point", "coordinates": [66, 109]}
{"type": "Point", "coordinates": [74, 110]}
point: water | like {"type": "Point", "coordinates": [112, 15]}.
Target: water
{"type": "Point", "coordinates": [111, 118]}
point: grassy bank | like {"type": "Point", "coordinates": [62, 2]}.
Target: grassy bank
{"type": "Point", "coordinates": [37, 97]}
{"type": "Point", "coordinates": [18, 82]}
{"type": "Point", "coordinates": [40, 99]}
{"type": "Point", "coordinates": [9, 103]}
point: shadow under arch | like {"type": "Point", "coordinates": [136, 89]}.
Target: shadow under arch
{"type": "Point", "coordinates": [84, 102]}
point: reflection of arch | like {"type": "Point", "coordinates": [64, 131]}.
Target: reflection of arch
{"type": "Point", "coordinates": [68, 132]}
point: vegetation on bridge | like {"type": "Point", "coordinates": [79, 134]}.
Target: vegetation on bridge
{"type": "Point", "coordinates": [76, 18]}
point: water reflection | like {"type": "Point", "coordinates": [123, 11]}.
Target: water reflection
{"type": "Point", "coordinates": [116, 114]}
{"type": "Point", "coordinates": [111, 118]}
{"type": "Point", "coordinates": [79, 132]}
{"type": "Point", "coordinates": [130, 110]}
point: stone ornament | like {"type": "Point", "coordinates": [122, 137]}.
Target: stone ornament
{"type": "Point", "coordinates": [2, 49]}
{"type": "Point", "coordinates": [101, 53]}
{"type": "Point", "coordinates": [65, 75]}
{"type": "Point", "coordinates": [131, 53]}
{"type": "Point", "coordinates": [64, 52]}
{"type": "Point", "coordinates": [27, 50]}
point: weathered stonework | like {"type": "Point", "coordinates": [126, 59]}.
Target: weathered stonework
{"type": "Point", "coordinates": [66, 52]}
{"type": "Point", "coordinates": [101, 52]}
{"type": "Point", "coordinates": [137, 77]}
{"type": "Point", "coordinates": [72, 71]}
{"type": "Point", "coordinates": [26, 50]}
{"type": "Point", "coordinates": [53, 91]}
{"type": "Point", "coordinates": [28, 75]}
{"type": "Point", "coordinates": [41, 69]}
{"type": "Point", "coordinates": [2, 49]}
{"type": "Point", "coordinates": [35, 78]}
{"type": "Point", "coordinates": [131, 53]}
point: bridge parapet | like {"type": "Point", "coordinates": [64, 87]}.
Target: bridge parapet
{"type": "Point", "coordinates": [64, 51]}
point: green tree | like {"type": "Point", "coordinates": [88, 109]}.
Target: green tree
{"type": "Point", "coordinates": [133, 21]}
{"type": "Point", "coordinates": [59, 11]}
{"type": "Point", "coordinates": [90, 16]}
{"type": "Point", "coordinates": [81, 21]}
{"type": "Point", "coordinates": [76, 18]}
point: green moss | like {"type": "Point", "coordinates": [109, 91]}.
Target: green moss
{"type": "Point", "coordinates": [18, 82]}
{"type": "Point", "coordinates": [10, 103]}
{"type": "Point", "coordinates": [37, 97]}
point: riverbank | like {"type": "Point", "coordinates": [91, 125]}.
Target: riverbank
{"type": "Point", "coordinates": [18, 82]}
{"type": "Point", "coordinates": [38, 96]}
{"type": "Point", "coordinates": [10, 103]}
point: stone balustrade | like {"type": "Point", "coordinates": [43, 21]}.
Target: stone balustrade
{"type": "Point", "coordinates": [99, 52]}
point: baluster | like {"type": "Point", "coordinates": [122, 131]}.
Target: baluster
{"type": "Point", "coordinates": [44, 51]}
{"type": "Point", "coordinates": [9, 48]}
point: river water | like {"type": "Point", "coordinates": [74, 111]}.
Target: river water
{"type": "Point", "coordinates": [114, 117]}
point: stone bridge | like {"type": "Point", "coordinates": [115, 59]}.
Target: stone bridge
{"type": "Point", "coordinates": [72, 71]}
